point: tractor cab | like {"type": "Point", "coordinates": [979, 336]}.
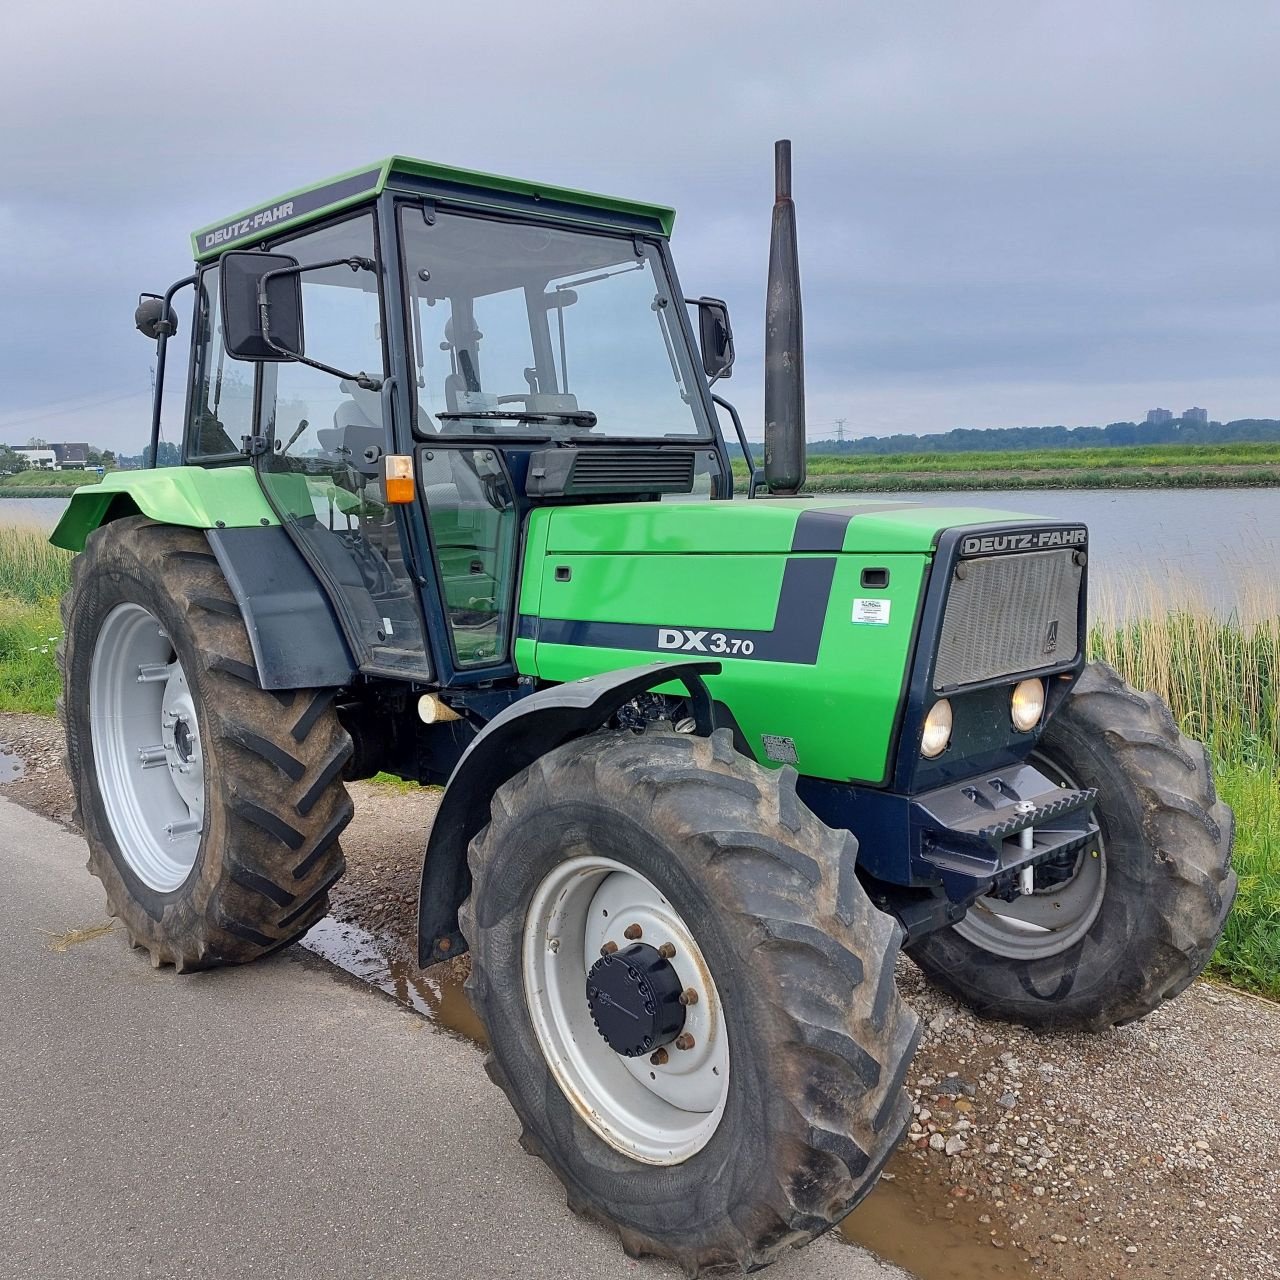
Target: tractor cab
{"type": "Point", "coordinates": [413, 357]}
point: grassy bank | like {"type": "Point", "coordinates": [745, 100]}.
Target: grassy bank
{"type": "Point", "coordinates": [1221, 677]}
{"type": "Point", "coordinates": [45, 484]}
{"type": "Point", "coordinates": [1140, 467]}
{"type": "Point", "coordinates": [33, 575]}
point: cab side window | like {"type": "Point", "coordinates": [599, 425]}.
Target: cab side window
{"type": "Point", "coordinates": [222, 389]}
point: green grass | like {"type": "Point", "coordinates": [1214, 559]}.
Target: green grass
{"type": "Point", "coordinates": [33, 575]}
{"type": "Point", "coordinates": [1221, 678]}
{"type": "Point", "coordinates": [45, 484]}
{"type": "Point", "coordinates": [28, 673]}
{"type": "Point", "coordinates": [1137, 467]}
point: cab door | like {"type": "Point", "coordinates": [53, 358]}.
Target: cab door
{"type": "Point", "coordinates": [321, 445]}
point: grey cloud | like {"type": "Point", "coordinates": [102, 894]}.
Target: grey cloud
{"type": "Point", "coordinates": [1009, 212]}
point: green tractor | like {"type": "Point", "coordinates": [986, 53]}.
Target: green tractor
{"type": "Point", "coordinates": [454, 503]}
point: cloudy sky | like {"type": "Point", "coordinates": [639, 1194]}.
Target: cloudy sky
{"type": "Point", "coordinates": [1010, 213]}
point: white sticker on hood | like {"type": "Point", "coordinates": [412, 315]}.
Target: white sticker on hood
{"type": "Point", "coordinates": [873, 611]}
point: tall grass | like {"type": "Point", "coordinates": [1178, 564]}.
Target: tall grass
{"type": "Point", "coordinates": [1221, 678]}
{"type": "Point", "coordinates": [33, 575]}
{"type": "Point", "coordinates": [31, 570]}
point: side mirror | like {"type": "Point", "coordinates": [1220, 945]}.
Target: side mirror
{"type": "Point", "coordinates": [715, 335]}
{"type": "Point", "coordinates": [150, 319]}
{"type": "Point", "coordinates": [240, 273]}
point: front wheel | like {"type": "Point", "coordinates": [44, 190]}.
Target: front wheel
{"type": "Point", "coordinates": [1137, 915]}
{"type": "Point", "coordinates": [689, 997]}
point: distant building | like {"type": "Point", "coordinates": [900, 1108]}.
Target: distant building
{"type": "Point", "coordinates": [56, 457]}
{"type": "Point", "coordinates": [1157, 417]}
{"type": "Point", "coordinates": [1196, 415]}
{"type": "Point", "coordinates": [71, 457]}
{"type": "Point", "coordinates": [42, 459]}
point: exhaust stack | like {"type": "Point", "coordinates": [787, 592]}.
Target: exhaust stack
{"type": "Point", "coordinates": [784, 439]}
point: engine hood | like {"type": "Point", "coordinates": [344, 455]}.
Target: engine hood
{"type": "Point", "coordinates": [766, 526]}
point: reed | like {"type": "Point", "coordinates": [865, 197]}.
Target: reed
{"type": "Point", "coordinates": [31, 570]}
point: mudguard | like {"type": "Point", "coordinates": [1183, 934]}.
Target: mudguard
{"type": "Point", "coordinates": [198, 497]}
{"type": "Point", "coordinates": [510, 742]}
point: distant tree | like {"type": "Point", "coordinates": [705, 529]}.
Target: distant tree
{"type": "Point", "coordinates": [37, 442]}
{"type": "Point", "coordinates": [11, 462]}
{"type": "Point", "coordinates": [992, 439]}
{"type": "Point", "coordinates": [167, 456]}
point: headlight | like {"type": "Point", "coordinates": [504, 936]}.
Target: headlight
{"type": "Point", "coordinates": [937, 730]}
{"type": "Point", "coordinates": [1027, 704]}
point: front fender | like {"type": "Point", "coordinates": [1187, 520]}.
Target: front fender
{"type": "Point", "coordinates": [510, 742]}
{"type": "Point", "coordinates": [198, 497]}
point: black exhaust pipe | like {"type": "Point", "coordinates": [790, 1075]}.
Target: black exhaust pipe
{"type": "Point", "coordinates": [784, 442]}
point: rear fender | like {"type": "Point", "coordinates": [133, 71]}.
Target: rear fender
{"type": "Point", "coordinates": [197, 497]}
{"type": "Point", "coordinates": [295, 635]}
{"type": "Point", "coordinates": [510, 742]}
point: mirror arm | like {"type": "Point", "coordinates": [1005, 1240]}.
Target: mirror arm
{"type": "Point", "coordinates": [165, 329]}
{"type": "Point", "coordinates": [363, 380]}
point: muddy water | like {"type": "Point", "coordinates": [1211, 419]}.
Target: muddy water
{"type": "Point", "coordinates": [436, 993]}
{"type": "Point", "coordinates": [909, 1221]}
{"type": "Point", "coordinates": [11, 767]}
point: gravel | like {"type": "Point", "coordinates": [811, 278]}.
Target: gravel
{"type": "Point", "coordinates": [1148, 1150]}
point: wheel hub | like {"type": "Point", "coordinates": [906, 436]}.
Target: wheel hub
{"type": "Point", "coordinates": [634, 998]}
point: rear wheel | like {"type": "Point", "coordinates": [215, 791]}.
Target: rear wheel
{"type": "Point", "coordinates": [212, 808]}
{"type": "Point", "coordinates": [689, 997]}
{"type": "Point", "coordinates": [1137, 915]}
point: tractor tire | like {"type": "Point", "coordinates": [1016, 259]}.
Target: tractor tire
{"type": "Point", "coordinates": [223, 845]}
{"type": "Point", "coordinates": [1164, 883]}
{"type": "Point", "coordinates": [792, 971]}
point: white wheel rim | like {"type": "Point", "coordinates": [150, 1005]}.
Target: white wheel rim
{"type": "Point", "coordinates": [145, 738]}
{"type": "Point", "coordinates": [1052, 919]}
{"type": "Point", "coordinates": [656, 1113]}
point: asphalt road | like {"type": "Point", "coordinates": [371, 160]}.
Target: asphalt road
{"type": "Point", "coordinates": [272, 1121]}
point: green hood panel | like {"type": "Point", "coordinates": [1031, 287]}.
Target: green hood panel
{"type": "Point", "coordinates": [765, 526]}
{"type": "Point", "coordinates": [811, 607]}
{"type": "Point", "coordinates": [194, 496]}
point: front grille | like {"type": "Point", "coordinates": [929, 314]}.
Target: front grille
{"type": "Point", "coordinates": [1009, 614]}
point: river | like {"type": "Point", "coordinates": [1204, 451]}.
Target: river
{"type": "Point", "coordinates": [1219, 547]}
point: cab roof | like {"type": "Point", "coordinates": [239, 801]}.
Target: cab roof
{"type": "Point", "coordinates": [464, 186]}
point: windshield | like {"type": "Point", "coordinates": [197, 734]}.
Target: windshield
{"type": "Point", "coordinates": [529, 330]}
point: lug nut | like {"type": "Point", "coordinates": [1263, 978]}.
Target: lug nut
{"type": "Point", "coordinates": [608, 949]}
{"type": "Point", "coordinates": [684, 1041]}
{"type": "Point", "coordinates": [688, 996]}
{"type": "Point", "coordinates": [658, 1059]}
{"type": "Point", "coordinates": [666, 951]}
{"type": "Point", "coordinates": [632, 932]}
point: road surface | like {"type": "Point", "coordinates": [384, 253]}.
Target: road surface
{"type": "Point", "coordinates": [273, 1121]}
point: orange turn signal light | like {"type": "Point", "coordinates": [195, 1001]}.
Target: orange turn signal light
{"type": "Point", "coordinates": [399, 477]}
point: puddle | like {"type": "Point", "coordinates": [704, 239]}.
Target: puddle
{"type": "Point", "coordinates": [912, 1222]}
{"type": "Point", "coordinates": [11, 767]}
{"type": "Point", "coordinates": [908, 1220]}
{"type": "Point", "coordinates": [436, 992]}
